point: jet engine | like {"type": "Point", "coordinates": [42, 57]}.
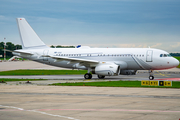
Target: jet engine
{"type": "Point", "coordinates": [128, 72]}
{"type": "Point", "coordinates": [106, 69]}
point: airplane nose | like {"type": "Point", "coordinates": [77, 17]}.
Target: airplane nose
{"type": "Point", "coordinates": [176, 62]}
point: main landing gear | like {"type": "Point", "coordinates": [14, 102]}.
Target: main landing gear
{"type": "Point", "coordinates": [88, 76]}
{"type": "Point", "coordinates": [101, 76]}
{"type": "Point", "coordinates": [151, 76]}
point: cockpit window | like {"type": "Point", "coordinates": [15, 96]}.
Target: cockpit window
{"type": "Point", "coordinates": [165, 55]}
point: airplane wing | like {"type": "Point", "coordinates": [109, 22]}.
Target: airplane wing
{"type": "Point", "coordinates": [85, 62]}
{"type": "Point", "coordinates": [20, 51]}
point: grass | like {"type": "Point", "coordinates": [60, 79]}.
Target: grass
{"type": "Point", "coordinates": [179, 61]}
{"type": "Point", "coordinates": [43, 72]}
{"type": "Point", "coordinates": [9, 79]}
{"type": "Point", "coordinates": [116, 84]}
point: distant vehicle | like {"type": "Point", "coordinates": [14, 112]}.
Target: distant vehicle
{"type": "Point", "coordinates": [100, 61]}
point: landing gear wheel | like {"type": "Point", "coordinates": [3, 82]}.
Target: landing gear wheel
{"type": "Point", "coordinates": [151, 77]}
{"type": "Point", "coordinates": [87, 76]}
{"type": "Point", "coordinates": [101, 76]}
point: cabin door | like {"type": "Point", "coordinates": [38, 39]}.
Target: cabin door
{"type": "Point", "coordinates": [149, 56]}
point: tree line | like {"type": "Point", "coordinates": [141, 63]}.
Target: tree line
{"type": "Point", "coordinates": [175, 54]}
{"type": "Point", "coordinates": [59, 46]}
{"type": "Point", "coordinates": [8, 46]}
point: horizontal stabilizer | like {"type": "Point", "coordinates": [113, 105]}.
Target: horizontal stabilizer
{"type": "Point", "coordinates": [23, 52]}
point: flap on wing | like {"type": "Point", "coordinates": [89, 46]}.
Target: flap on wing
{"type": "Point", "coordinates": [23, 52]}
{"type": "Point", "coordinates": [74, 59]}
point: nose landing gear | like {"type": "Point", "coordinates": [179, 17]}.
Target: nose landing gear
{"type": "Point", "coordinates": [151, 75]}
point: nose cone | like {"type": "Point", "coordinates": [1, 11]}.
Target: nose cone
{"type": "Point", "coordinates": [175, 62]}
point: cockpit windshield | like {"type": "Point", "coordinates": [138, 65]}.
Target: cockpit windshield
{"type": "Point", "coordinates": [165, 55]}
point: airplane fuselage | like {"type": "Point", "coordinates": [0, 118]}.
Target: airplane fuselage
{"type": "Point", "coordinates": [126, 58]}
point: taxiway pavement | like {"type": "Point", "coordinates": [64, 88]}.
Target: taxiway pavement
{"type": "Point", "coordinates": [42, 102]}
{"type": "Point", "coordinates": [20, 102]}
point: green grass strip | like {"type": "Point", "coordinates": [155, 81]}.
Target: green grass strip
{"type": "Point", "coordinates": [116, 84]}
{"type": "Point", "coordinates": [43, 72]}
{"type": "Point", "coordinates": [13, 79]}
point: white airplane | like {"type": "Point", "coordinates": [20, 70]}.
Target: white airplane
{"type": "Point", "coordinates": [100, 61]}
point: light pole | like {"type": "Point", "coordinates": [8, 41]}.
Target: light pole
{"type": "Point", "coordinates": [4, 49]}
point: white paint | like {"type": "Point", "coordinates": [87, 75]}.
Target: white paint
{"type": "Point", "coordinates": [40, 112]}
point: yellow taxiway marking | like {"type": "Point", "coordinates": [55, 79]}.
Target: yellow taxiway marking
{"type": "Point", "coordinates": [165, 75]}
{"type": "Point", "coordinates": [87, 80]}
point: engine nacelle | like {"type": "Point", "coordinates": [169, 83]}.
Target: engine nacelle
{"type": "Point", "coordinates": [128, 72]}
{"type": "Point", "coordinates": [106, 69]}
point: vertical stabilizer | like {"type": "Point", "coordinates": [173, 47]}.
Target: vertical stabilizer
{"type": "Point", "coordinates": [28, 36]}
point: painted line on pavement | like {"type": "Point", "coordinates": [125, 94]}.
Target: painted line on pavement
{"type": "Point", "coordinates": [36, 111]}
{"type": "Point", "coordinates": [125, 110]}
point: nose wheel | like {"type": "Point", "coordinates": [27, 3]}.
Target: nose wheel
{"type": "Point", "coordinates": [151, 76]}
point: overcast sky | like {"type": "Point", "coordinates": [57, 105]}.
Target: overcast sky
{"type": "Point", "coordinates": [96, 23]}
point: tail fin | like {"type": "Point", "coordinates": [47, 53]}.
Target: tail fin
{"type": "Point", "coordinates": [29, 38]}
